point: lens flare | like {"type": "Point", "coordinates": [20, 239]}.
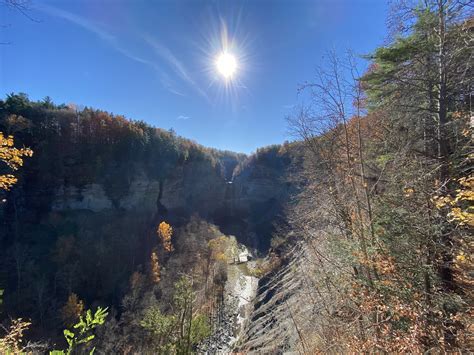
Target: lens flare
{"type": "Point", "coordinates": [226, 65]}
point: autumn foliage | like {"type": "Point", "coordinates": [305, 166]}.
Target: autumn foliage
{"type": "Point", "coordinates": [72, 310]}
{"type": "Point", "coordinates": [165, 232]}
{"type": "Point", "coordinates": [155, 268]}
{"type": "Point", "coordinates": [389, 165]}
{"type": "Point", "coordinates": [13, 158]}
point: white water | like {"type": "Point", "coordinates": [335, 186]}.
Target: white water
{"type": "Point", "coordinates": [239, 293]}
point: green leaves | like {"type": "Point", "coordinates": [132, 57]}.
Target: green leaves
{"type": "Point", "coordinates": [157, 322]}
{"type": "Point", "coordinates": [69, 336]}
{"type": "Point", "coordinates": [84, 328]}
{"type": "Point", "coordinates": [200, 328]}
{"type": "Point", "coordinates": [180, 331]}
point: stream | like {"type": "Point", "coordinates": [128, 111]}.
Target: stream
{"type": "Point", "coordinates": [240, 290]}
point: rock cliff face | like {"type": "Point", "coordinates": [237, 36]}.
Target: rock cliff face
{"type": "Point", "coordinates": [255, 200]}
{"type": "Point", "coordinates": [192, 188]}
{"type": "Point", "coordinates": [246, 206]}
{"type": "Point", "coordinates": [282, 308]}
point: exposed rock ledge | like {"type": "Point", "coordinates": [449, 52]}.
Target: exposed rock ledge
{"type": "Point", "coordinates": [282, 307]}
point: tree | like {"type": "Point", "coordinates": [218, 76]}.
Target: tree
{"type": "Point", "coordinates": [388, 175]}
{"type": "Point", "coordinates": [155, 268]}
{"type": "Point", "coordinates": [165, 232]}
{"type": "Point", "coordinates": [13, 158]}
{"type": "Point", "coordinates": [82, 332]}
{"type": "Point", "coordinates": [11, 342]}
{"type": "Point", "coordinates": [162, 327]}
{"type": "Point", "coordinates": [72, 310]}
{"type": "Point", "coordinates": [182, 330]}
{"type": "Point", "coordinates": [21, 6]}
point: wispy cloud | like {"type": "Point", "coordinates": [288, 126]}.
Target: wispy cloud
{"type": "Point", "coordinates": [183, 118]}
{"type": "Point", "coordinates": [288, 107]}
{"type": "Point", "coordinates": [78, 20]}
{"type": "Point", "coordinates": [166, 81]}
{"type": "Point", "coordinates": [174, 63]}
{"type": "Point", "coordinates": [112, 41]}
{"type": "Point", "coordinates": [93, 28]}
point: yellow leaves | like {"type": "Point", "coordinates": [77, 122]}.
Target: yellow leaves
{"type": "Point", "coordinates": [408, 192]}
{"type": "Point", "coordinates": [461, 209]}
{"type": "Point", "coordinates": [72, 310]}
{"type": "Point", "coordinates": [386, 283]}
{"type": "Point", "coordinates": [155, 268]}
{"type": "Point", "coordinates": [461, 258]}
{"type": "Point", "coordinates": [463, 218]}
{"type": "Point", "coordinates": [218, 247]}
{"type": "Point", "coordinates": [10, 155]}
{"type": "Point", "coordinates": [441, 201]}
{"type": "Point", "coordinates": [165, 232]}
{"type": "Point", "coordinates": [467, 181]}
{"type": "Point", "coordinates": [460, 206]}
{"type": "Point", "coordinates": [457, 115]}
{"type": "Point", "coordinates": [7, 181]}
{"type": "Point", "coordinates": [220, 257]}
{"type": "Point", "coordinates": [13, 158]}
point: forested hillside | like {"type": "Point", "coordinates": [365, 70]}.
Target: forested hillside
{"type": "Point", "coordinates": [381, 239]}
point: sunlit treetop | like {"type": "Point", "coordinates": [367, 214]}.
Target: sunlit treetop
{"type": "Point", "coordinates": [13, 158]}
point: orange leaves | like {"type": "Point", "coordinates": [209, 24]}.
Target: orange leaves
{"type": "Point", "coordinates": [392, 324]}
{"type": "Point", "coordinates": [384, 264]}
{"type": "Point", "coordinates": [165, 232]}
{"type": "Point", "coordinates": [155, 268]}
{"type": "Point", "coordinates": [13, 158]}
{"type": "Point", "coordinates": [72, 310]}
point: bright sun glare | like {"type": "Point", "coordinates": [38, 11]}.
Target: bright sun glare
{"type": "Point", "coordinates": [226, 65]}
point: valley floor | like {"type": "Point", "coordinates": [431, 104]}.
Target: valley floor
{"type": "Point", "coordinates": [239, 294]}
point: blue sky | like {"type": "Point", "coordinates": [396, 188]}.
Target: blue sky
{"type": "Point", "coordinates": [154, 60]}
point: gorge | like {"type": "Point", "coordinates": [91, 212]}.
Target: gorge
{"type": "Point", "coordinates": [99, 223]}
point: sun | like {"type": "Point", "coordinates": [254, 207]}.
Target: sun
{"type": "Point", "coordinates": [226, 65]}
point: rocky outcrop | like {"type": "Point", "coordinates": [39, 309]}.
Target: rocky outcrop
{"type": "Point", "coordinates": [192, 188]}
{"type": "Point", "coordinates": [282, 307]}
{"type": "Point", "coordinates": [255, 200]}
{"type": "Point", "coordinates": [90, 197]}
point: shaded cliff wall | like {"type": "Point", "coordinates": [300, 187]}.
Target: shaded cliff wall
{"type": "Point", "coordinates": [248, 206]}
{"type": "Point", "coordinates": [257, 196]}
{"type": "Point", "coordinates": [192, 188]}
